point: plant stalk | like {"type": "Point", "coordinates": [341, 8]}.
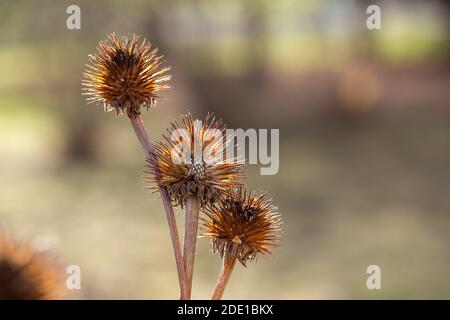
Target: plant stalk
{"type": "Point", "coordinates": [190, 239]}
{"type": "Point", "coordinates": [224, 277]}
{"type": "Point", "coordinates": [142, 136]}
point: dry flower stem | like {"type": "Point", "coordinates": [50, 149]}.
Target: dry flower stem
{"type": "Point", "coordinates": [224, 277]}
{"type": "Point", "coordinates": [141, 134]}
{"type": "Point", "coordinates": [190, 239]}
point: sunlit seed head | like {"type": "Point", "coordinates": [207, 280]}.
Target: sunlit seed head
{"type": "Point", "coordinates": [242, 225]}
{"type": "Point", "coordinates": [124, 75]}
{"type": "Point", "coordinates": [188, 174]}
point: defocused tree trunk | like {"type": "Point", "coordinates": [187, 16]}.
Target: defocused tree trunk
{"type": "Point", "coordinates": [218, 92]}
{"type": "Point", "coordinates": [257, 43]}
{"type": "Point", "coordinates": [446, 6]}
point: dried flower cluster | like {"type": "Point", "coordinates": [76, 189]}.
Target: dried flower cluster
{"type": "Point", "coordinates": [186, 172]}
{"type": "Point", "coordinates": [28, 274]}
{"type": "Point", "coordinates": [124, 75]}
{"type": "Point", "coordinates": [242, 225]}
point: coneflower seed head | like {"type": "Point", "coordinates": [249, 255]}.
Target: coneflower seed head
{"type": "Point", "coordinates": [125, 75]}
{"type": "Point", "coordinates": [242, 225]}
{"type": "Point", "coordinates": [29, 274]}
{"type": "Point", "coordinates": [191, 174]}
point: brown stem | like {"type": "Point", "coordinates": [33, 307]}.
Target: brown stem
{"type": "Point", "coordinates": [190, 239]}
{"type": "Point", "coordinates": [225, 274]}
{"type": "Point", "coordinates": [142, 136]}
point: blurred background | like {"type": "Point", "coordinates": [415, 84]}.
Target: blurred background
{"type": "Point", "coordinates": [364, 123]}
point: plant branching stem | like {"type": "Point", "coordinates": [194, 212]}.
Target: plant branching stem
{"type": "Point", "coordinates": [190, 239]}
{"type": "Point", "coordinates": [224, 277]}
{"type": "Point", "coordinates": [143, 138]}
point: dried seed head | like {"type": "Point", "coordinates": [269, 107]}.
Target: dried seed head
{"type": "Point", "coordinates": [124, 75]}
{"type": "Point", "coordinates": [192, 161]}
{"type": "Point", "coordinates": [242, 225]}
{"type": "Point", "coordinates": [28, 274]}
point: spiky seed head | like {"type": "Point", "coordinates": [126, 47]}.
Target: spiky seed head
{"type": "Point", "coordinates": [242, 225]}
{"type": "Point", "coordinates": [192, 161]}
{"type": "Point", "coordinates": [125, 75]}
{"type": "Point", "coordinates": [27, 273]}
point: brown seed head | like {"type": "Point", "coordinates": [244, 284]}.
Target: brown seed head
{"type": "Point", "coordinates": [242, 225]}
{"type": "Point", "coordinates": [124, 75]}
{"type": "Point", "coordinates": [192, 161]}
{"type": "Point", "coordinates": [28, 274]}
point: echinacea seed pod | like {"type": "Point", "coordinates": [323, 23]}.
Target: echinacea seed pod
{"type": "Point", "coordinates": [182, 165]}
{"type": "Point", "coordinates": [242, 225]}
{"type": "Point", "coordinates": [124, 75]}
{"type": "Point", "coordinates": [29, 274]}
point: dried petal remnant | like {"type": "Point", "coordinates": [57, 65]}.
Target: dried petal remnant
{"type": "Point", "coordinates": [124, 75]}
{"type": "Point", "coordinates": [242, 225]}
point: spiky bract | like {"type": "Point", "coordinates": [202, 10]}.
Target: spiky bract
{"type": "Point", "coordinates": [242, 225]}
{"type": "Point", "coordinates": [27, 273]}
{"type": "Point", "coordinates": [193, 161]}
{"type": "Point", "coordinates": [125, 75]}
